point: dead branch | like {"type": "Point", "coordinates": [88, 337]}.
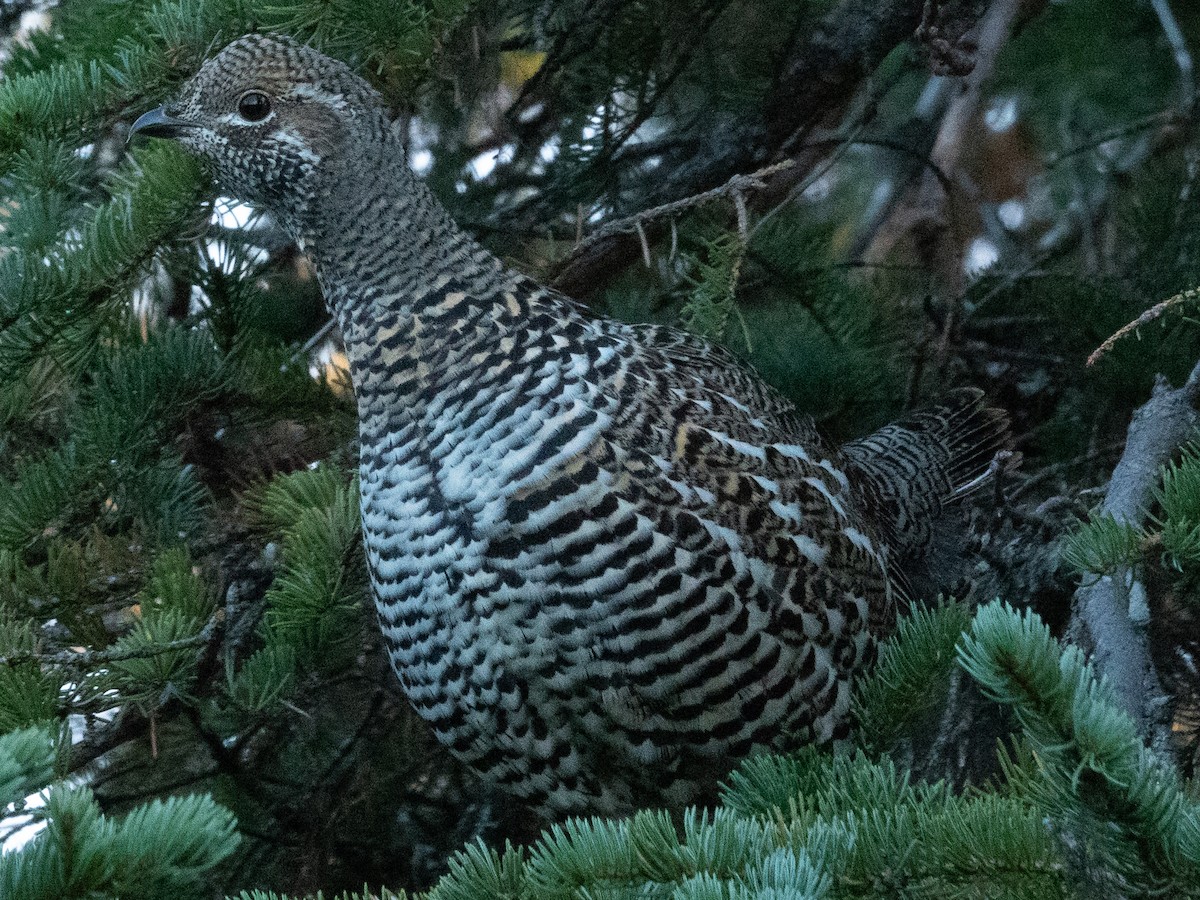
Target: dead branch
{"type": "Point", "coordinates": [930, 204]}
{"type": "Point", "coordinates": [735, 188]}
{"type": "Point", "coordinates": [1109, 613]}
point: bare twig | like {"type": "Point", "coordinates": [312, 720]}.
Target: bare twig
{"type": "Point", "coordinates": [1162, 119]}
{"type": "Point", "coordinates": [645, 242]}
{"type": "Point", "coordinates": [824, 71]}
{"type": "Point", "coordinates": [1056, 469]}
{"type": "Point", "coordinates": [736, 186]}
{"type": "Point", "coordinates": [1183, 60]}
{"type": "Point", "coordinates": [929, 206]}
{"type": "Point", "coordinates": [819, 171]}
{"type": "Point", "coordinates": [1109, 612]}
{"type": "Point", "coordinates": [951, 51]}
{"type": "Point", "coordinates": [314, 341]}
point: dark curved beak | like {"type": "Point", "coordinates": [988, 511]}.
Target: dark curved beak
{"type": "Point", "coordinates": [157, 123]}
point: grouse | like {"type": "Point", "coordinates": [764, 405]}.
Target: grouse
{"type": "Point", "coordinates": [608, 561]}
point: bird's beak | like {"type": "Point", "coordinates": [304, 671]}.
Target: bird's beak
{"type": "Point", "coordinates": [157, 123]}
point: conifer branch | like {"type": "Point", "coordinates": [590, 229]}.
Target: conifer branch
{"type": "Point", "coordinates": [1091, 771]}
{"type": "Point", "coordinates": [1164, 119]}
{"type": "Point", "coordinates": [87, 659]}
{"type": "Point", "coordinates": [816, 84]}
{"type": "Point", "coordinates": [1154, 312]}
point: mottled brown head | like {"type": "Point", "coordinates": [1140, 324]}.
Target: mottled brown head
{"type": "Point", "coordinates": [271, 115]}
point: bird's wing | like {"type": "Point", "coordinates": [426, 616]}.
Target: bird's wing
{"type": "Point", "coordinates": [688, 582]}
{"type": "Point", "coordinates": [709, 373]}
{"type": "Point", "coordinates": [714, 592]}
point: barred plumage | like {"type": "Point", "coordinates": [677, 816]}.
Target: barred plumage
{"type": "Point", "coordinates": [607, 559]}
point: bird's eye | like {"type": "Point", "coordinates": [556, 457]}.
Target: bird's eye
{"type": "Point", "coordinates": [254, 106]}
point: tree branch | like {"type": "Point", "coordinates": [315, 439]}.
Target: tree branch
{"type": "Point", "coordinates": [1179, 49]}
{"type": "Point", "coordinates": [1110, 612]}
{"type": "Point", "coordinates": [81, 659]}
{"type": "Point", "coordinates": [1145, 318]}
{"type": "Point", "coordinates": [816, 84]}
{"type": "Point", "coordinates": [630, 225]}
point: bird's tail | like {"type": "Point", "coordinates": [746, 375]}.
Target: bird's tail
{"type": "Point", "coordinates": [910, 469]}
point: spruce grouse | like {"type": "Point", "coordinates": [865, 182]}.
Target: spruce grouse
{"type": "Point", "coordinates": [607, 559]}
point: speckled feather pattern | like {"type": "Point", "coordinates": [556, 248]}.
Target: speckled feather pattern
{"type": "Point", "coordinates": [608, 561]}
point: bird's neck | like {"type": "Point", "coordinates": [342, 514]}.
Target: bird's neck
{"type": "Point", "coordinates": [420, 303]}
{"type": "Point", "coordinates": [390, 258]}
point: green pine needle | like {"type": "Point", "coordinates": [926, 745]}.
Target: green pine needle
{"type": "Point", "coordinates": [159, 850]}
{"type": "Point", "coordinates": [1179, 497]}
{"type": "Point", "coordinates": [1103, 545]}
{"type": "Point", "coordinates": [911, 675]}
{"type": "Point", "coordinates": [1096, 776]}
{"type": "Point", "coordinates": [264, 680]}
{"type": "Point", "coordinates": [58, 307]}
{"type": "Point", "coordinates": [712, 299]}
{"type": "Point", "coordinates": [150, 675]}
{"type": "Point", "coordinates": [365, 894]}
{"type": "Point", "coordinates": [28, 692]}
{"type": "Point", "coordinates": [27, 759]}
{"type": "Point", "coordinates": [315, 604]}
{"type": "Point", "coordinates": [168, 845]}
{"type": "Point", "coordinates": [45, 490]}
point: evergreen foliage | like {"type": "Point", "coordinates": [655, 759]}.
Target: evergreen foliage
{"type": "Point", "coordinates": [26, 762]}
{"type": "Point", "coordinates": [911, 675]}
{"type": "Point", "coordinates": [1103, 545]}
{"type": "Point", "coordinates": [1085, 811]}
{"type": "Point", "coordinates": [313, 605]}
{"type": "Point", "coordinates": [192, 695]}
{"type": "Point", "coordinates": [1132, 818]}
{"type": "Point", "coordinates": [1179, 497]}
{"type": "Point", "coordinates": [157, 851]}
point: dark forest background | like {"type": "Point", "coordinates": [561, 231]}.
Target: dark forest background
{"type": "Point", "coordinates": [871, 201]}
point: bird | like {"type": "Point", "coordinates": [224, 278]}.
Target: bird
{"type": "Point", "coordinates": [608, 560]}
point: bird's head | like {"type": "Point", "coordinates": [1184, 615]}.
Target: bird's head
{"type": "Point", "coordinates": [270, 114]}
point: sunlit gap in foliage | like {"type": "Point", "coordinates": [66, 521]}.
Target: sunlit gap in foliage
{"type": "Point", "coordinates": [230, 213]}
{"type": "Point", "coordinates": [21, 826]}
{"type": "Point", "coordinates": [1012, 214]}
{"type": "Point", "coordinates": [422, 138]}
{"type": "Point", "coordinates": [1002, 114]}
{"type": "Point", "coordinates": [31, 20]}
{"type": "Point", "coordinates": [485, 163]}
{"type": "Point", "coordinates": [981, 255]}
{"type": "Point", "coordinates": [19, 829]}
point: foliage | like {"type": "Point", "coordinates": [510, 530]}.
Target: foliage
{"type": "Point", "coordinates": [26, 761]}
{"type": "Point", "coordinates": [313, 604]}
{"type": "Point", "coordinates": [1179, 497]}
{"type": "Point", "coordinates": [910, 677]}
{"type": "Point", "coordinates": [1103, 545]}
{"type": "Point", "coordinates": [157, 851]}
{"type": "Point", "coordinates": [193, 698]}
{"type": "Point", "coordinates": [817, 824]}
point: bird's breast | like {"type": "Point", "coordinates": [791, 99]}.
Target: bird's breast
{"type": "Point", "coordinates": [440, 472]}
